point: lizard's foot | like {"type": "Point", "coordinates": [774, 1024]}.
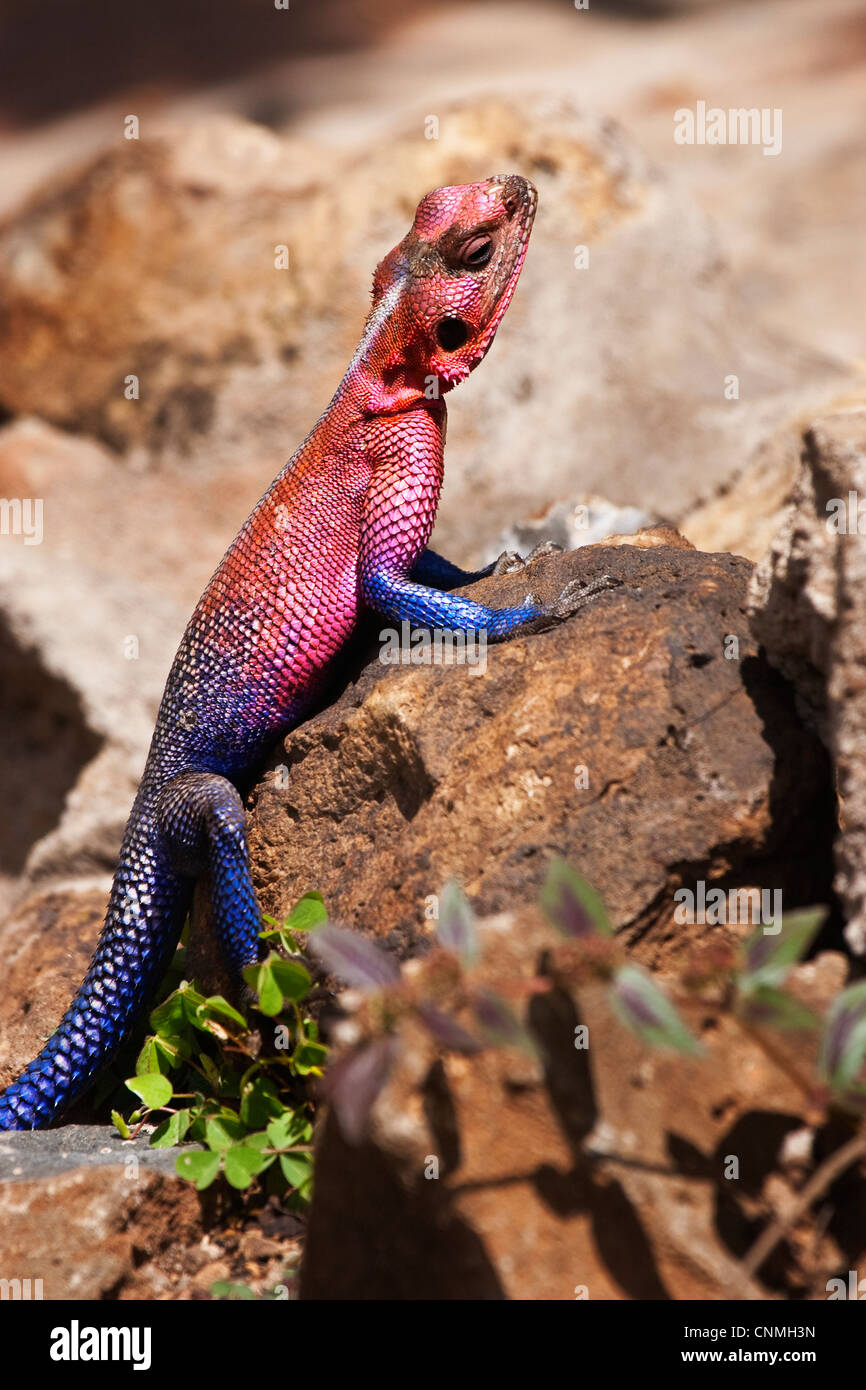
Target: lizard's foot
{"type": "Point", "coordinates": [576, 595]}
{"type": "Point", "coordinates": [578, 592]}
{"type": "Point", "coordinates": [510, 562]}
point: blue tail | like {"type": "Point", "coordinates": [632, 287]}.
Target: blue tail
{"type": "Point", "coordinates": [146, 911]}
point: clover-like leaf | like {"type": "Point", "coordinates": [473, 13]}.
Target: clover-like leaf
{"type": "Point", "coordinates": [292, 978]}
{"type": "Point", "coordinates": [198, 1167]}
{"type": "Point", "coordinates": [297, 1168]}
{"type": "Point", "coordinates": [308, 913]}
{"type": "Point", "coordinates": [153, 1088]}
{"type": "Point", "coordinates": [354, 958]}
{"type": "Point", "coordinates": [172, 1131]}
{"type": "Point", "coordinates": [455, 929]}
{"type": "Point", "coordinates": [221, 1131]}
{"type": "Point", "coordinates": [243, 1163]}
{"type": "Point", "coordinates": [260, 1102]}
{"type": "Point", "coordinates": [640, 1004]}
{"type": "Point", "coordinates": [572, 905]}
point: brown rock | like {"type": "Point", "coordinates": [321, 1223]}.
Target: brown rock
{"type": "Point", "coordinates": [46, 946]}
{"type": "Point", "coordinates": [808, 603]}
{"type": "Point", "coordinates": [697, 766]}
{"type": "Point", "coordinates": [98, 1233]}
{"type": "Point", "coordinates": [608, 1175]}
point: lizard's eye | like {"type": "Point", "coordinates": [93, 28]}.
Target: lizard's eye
{"type": "Point", "coordinates": [476, 252]}
{"type": "Point", "coordinates": [451, 334]}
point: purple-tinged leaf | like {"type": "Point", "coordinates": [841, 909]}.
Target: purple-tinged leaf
{"type": "Point", "coordinates": [843, 1048]}
{"type": "Point", "coordinates": [499, 1024]}
{"type": "Point", "coordinates": [770, 955]}
{"type": "Point", "coordinates": [353, 958]}
{"type": "Point", "coordinates": [455, 930]}
{"type": "Point", "coordinates": [638, 1003]}
{"type": "Point", "coordinates": [354, 1082]}
{"type": "Point", "coordinates": [572, 905]}
{"type": "Point", "coordinates": [446, 1030]}
{"type": "Point", "coordinates": [764, 1006]}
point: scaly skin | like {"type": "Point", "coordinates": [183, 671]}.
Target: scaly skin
{"type": "Point", "coordinates": [343, 526]}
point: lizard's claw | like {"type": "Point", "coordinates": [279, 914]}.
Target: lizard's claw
{"type": "Point", "coordinates": [543, 548]}
{"type": "Point", "coordinates": [510, 562]}
{"type": "Point", "coordinates": [576, 594]}
{"type": "Point", "coordinates": [579, 592]}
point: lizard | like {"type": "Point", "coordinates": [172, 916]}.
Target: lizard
{"type": "Point", "coordinates": [342, 530]}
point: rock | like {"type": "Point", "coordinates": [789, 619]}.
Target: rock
{"type": "Point", "coordinates": [46, 945]}
{"type": "Point", "coordinates": [92, 1217]}
{"type": "Point", "coordinates": [606, 1175]}
{"type": "Point", "coordinates": [808, 609]}
{"type": "Point", "coordinates": [622, 739]}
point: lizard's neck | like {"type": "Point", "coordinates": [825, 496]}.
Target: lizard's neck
{"type": "Point", "coordinates": [388, 373]}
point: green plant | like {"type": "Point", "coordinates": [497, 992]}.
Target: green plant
{"type": "Point", "coordinates": [205, 1076]}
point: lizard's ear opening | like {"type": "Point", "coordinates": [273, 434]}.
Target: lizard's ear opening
{"type": "Point", "coordinates": [452, 334]}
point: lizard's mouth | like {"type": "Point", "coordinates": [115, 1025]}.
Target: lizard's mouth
{"type": "Point", "coordinates": [519, 199]}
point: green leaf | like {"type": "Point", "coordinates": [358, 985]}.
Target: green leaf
{"type": "Point", "coordinates": [172, 1131]}
{"type": "Point", "coordinates": [198, 1167]}
{"type": "Point", "coordinates": [232, 1293]}
{"type": "Point", "coordinates": [307, 914]}
{"type": "Point", "coordinates": [221, 1131]}
{"type": "Point", "coordinates": [260, 1102]}
{"type": "Point", "coordinates": [215, 1004]}
{"type": "Point", "coordinates": [638, 1002]}
{"type": "Point", "coordinates": [843, 1048]}
{"type": "Point", "coordinates": [289, 1129]}
{"type": "Point", "coordinates": [154, 1089]}
{"type": "Point", "coordinates": [155, 1056]}
{"type": "Point", "coordinates": [270, 998]}
{"type": "Point", "coordinates": [120, 1124]}
{"type": "Point", "coordinates": [310, 1056]}
{"type": "Point", "coordinates": [169, 1018]}
{"type": "Point", "coordinates": [210, 1069]}
{"type": "Point", "coordinates": [243, 1164]}
{"type": "Point", "coordinates": [770, 955]}
{"type": "Point", "coordinates": [297, 1168]}
{"type": "Point", "coordinates": [291, 978]}
{"type": "Point", "coordinates": [572, 905]}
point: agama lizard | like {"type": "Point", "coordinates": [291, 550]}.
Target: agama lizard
{"type": "Point", "coordinates": [343, 528]}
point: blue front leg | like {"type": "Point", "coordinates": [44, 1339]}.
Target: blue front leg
{"type": "Point", "coordinates": [438, 573]}
{"type": "Point", "coordinates": [397, 597]}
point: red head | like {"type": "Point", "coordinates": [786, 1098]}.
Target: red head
{"type": "Point", "coordinates": [439, 296]}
